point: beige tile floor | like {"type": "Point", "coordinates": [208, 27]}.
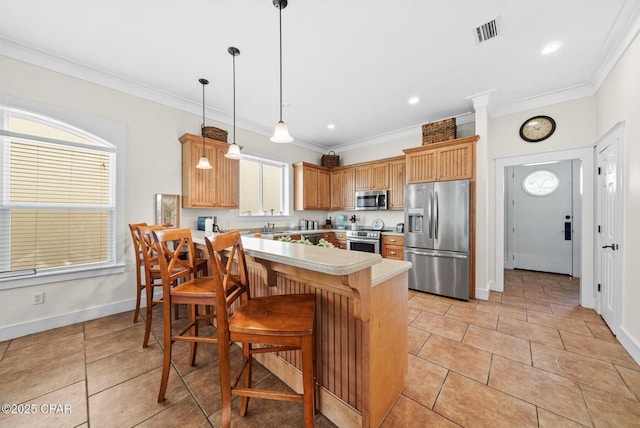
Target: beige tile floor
{"type": "Point", "coordinates": [527, 357]}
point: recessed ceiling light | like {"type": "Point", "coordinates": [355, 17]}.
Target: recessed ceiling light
{"type": "Point", "coordinates": [551, 47]}
{"type": "Point", "coordinates": [331, 126]}
{"type": "Point", "coordinates": [414, 100]}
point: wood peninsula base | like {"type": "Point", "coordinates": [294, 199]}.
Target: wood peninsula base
{"type": "Point", "coordinates": [361, 324]}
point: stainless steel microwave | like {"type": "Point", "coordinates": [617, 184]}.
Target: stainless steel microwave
{"type": "Point", "coordinates": [371, 200]}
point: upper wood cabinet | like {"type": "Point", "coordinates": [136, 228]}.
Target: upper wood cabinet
{"type": "Point", "coordinates": [208, 188]}
{"type": "Point", "coordinates": [343, 190]}
{"type": "Point", "coordinates": [311, 187]}
{"type": "Point", "coordinates": [336, 190]}
{"type": "Point", "coordinates": [372, 176]}
{"type": "Point", "coordinates": [444, 161]}
{"type": "Point", "coordinates": [397, 180]}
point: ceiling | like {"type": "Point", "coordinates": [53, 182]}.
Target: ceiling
{"type": "Point", "coordinates": [351, 63]}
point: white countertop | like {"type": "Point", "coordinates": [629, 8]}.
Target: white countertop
{"type": "Point", "coordinates": [333, 261]}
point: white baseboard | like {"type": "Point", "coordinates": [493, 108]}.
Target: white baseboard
{"type": "Point", "coordinates": [483, 293]}
{"type": "Point", "coordinates": [43, 324]}
{"type": "Point", "coordinates": [631, 345]}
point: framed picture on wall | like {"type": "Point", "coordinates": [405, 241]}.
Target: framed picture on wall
{"type": "Point", "coordinates": [168, 210]}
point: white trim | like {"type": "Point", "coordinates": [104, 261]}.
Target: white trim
{"type": "Point", "coordinates": [586, 154]}
{"type": "Point", "coordinates": [43, 324]}
{"type": "Point", "coordinates": [482, 293]}
{"type": "Point", "coordinates": [630, 344]}
{"type": "Point", "coordinates": [11, 282]}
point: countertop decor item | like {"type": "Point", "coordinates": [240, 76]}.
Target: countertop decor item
{"type": "Point", "coordinates": [377, 224]}
{"type": "Point", "coordinates": [281, 131]}
{"type": "Point", "coordinates": [203, 163]}
{"type": "Point", "coordinates": [234, 149]}
{"type": "Point", "coordinates": [168, 210]}
{"type": "Point", "coordinates": [537, 128]}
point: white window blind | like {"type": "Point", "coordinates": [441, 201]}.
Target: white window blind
{"type": "Point", "coordinates": [58, 210]}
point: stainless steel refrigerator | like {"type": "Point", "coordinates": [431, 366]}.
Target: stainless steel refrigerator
{"type": "Point", "coordinates": [436, 237]}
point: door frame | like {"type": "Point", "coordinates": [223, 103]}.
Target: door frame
{"type": "Point", "coordinates": [601, 143]}
{"type": "Point", "coordinates": [587, 206]}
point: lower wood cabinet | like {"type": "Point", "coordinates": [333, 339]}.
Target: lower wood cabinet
{"type": "Point", "coordinates": [393, 247]}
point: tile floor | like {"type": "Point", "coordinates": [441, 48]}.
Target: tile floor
{"type": "Point", "coordinates": [527, 357]}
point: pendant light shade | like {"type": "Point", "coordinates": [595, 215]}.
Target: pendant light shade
{"type": "Point", "coordinates": [281, 131]}
{"type": "Point", "coordinates": [234, 149]}
{"type": "Point", "coordinates": [203, 163]}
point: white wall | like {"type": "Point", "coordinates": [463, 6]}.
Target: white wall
{"type": "Point", "coordinates": [619, 99]}
{"type": "Point", "coordinates": [152, 165]}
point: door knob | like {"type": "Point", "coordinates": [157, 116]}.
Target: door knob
{"type": "Point", "coordinates": [612, 246]}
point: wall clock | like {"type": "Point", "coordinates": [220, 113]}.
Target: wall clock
{"type": "Point", "coordinates": [537, 128]}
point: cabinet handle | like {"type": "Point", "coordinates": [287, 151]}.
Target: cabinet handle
{"type": "Point", "coordinates": [392, 240]}
{"type": "Point", "coordinates": [393, 253]}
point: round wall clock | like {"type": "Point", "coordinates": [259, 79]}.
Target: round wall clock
{"type": "Point", "coordinates": [537, 128]}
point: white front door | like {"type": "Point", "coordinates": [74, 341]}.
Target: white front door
{"type": "Point", "coordinates": [608, 233]}
{"type": "Point", "coordinates": [543, 217]}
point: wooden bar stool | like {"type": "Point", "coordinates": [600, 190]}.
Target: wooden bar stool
{"type": "Point", "coordinates": [135, 237]}
{"type": "Point", "coordinates": [169, 245]}
{"type": "Point", "coordinates": [283, 322]}
{"type": "Point", "coordinates": [151, 273]}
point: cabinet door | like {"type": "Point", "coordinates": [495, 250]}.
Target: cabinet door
{"type": "Point", "coordinates": [310, 188]}
{"type": "Point", "coordinates": [227, 180]}
{"type": "Point", "coordinates": [324, 190]}
{"type": "Point", "coordinates": [363, 177]}
{"type": "Point", "coordinates": [349, 189]}
{"type": "Point", "coordinates": [421, 167]}
{"type": "Point", "coordinates": [397, 179]}
{"type": "Point", "coordinates": [197, 184]}
{"type": "Point", "coordinates": [393, 252]}
{"type": "Point", "coordinates": [380, 176]}
{"type": "Point", "coordinates": [455, 163]}
{"type": "Point", "coordinates": [336, 190]}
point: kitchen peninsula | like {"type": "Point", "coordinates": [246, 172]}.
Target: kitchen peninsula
{"type": "Point", "coordinates": [361, 320]}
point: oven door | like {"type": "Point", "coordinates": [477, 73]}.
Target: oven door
{"type": "Point", "coordinates": [365, 245]}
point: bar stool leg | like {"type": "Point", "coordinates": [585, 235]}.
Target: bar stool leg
{"type": "Point", "coordinates": [247, 373]}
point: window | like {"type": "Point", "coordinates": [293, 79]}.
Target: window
{"type": "Point", "coordinates": [57, 197]}
{"type": "Point", "coordinates": [540, 183]}
{"type": "Point", "coordinates": [263, 187]}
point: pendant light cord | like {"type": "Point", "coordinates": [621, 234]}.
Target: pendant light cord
{"type": "Point", "coordinates": [202, 130]}
{"type": "Point", "coordinates": [234, 98]}
{"type": "Point", "coordinates": [280, 14]}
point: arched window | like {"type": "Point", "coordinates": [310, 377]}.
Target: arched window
{"type": "Point", "coordinates": [57, 198]}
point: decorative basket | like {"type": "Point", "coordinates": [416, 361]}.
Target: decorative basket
{"type": "Point", "coordinates": [330, 160]}
{"type": "Point", "coordinates": [214, 133]}
{"type": "Point", "coordinates": [442, 130]}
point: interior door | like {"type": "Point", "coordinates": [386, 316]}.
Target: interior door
{"type": "Point", "coordinates": [543, 214]}
{"type": "Point", "coordinates": [607, 250]}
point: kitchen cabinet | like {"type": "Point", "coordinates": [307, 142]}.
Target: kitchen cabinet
{"type": "Point", "coordinates": [397, 180]}
{"type": "Point", "coordinates": [372, 176]}
{"type": "Point", "coordinates": [341, 239]}
{"type": "Point", "coordinates": [349, 189]}
{"type": "Point", "coordinates": [311, 187]}
{"type": "Point", "coordinates": [393, 247]}
{"type": "Point", "coordinates": [208, 188]}
{"type": "Point", "coordinates": [337, 202]}
{"type": "Point", "coordinates": [447, 160]}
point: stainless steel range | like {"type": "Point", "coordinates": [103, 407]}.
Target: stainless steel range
{"type": "Point", "coordinates": [364, 240]}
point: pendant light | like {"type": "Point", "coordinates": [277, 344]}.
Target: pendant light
{"type": "Point", "coordinates": [203, 163]}
{"type": "Point", "coordinates": [281, 132]}
{"type": "Point", "coordinates": [234, 149]}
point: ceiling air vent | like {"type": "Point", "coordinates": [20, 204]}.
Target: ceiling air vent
{"type": "Point", "coordinates": [487, 31]}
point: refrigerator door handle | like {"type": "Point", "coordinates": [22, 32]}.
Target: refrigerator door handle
{"type": "Point", "coordinates": [430, 211]}
{"type": "Point", "coordinates": [436, 254]}
{"type": "Point", "coordinates": [437, 215]}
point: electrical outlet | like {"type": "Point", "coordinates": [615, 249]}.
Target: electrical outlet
{"type": "Point", "coordinates": [37, 298]}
